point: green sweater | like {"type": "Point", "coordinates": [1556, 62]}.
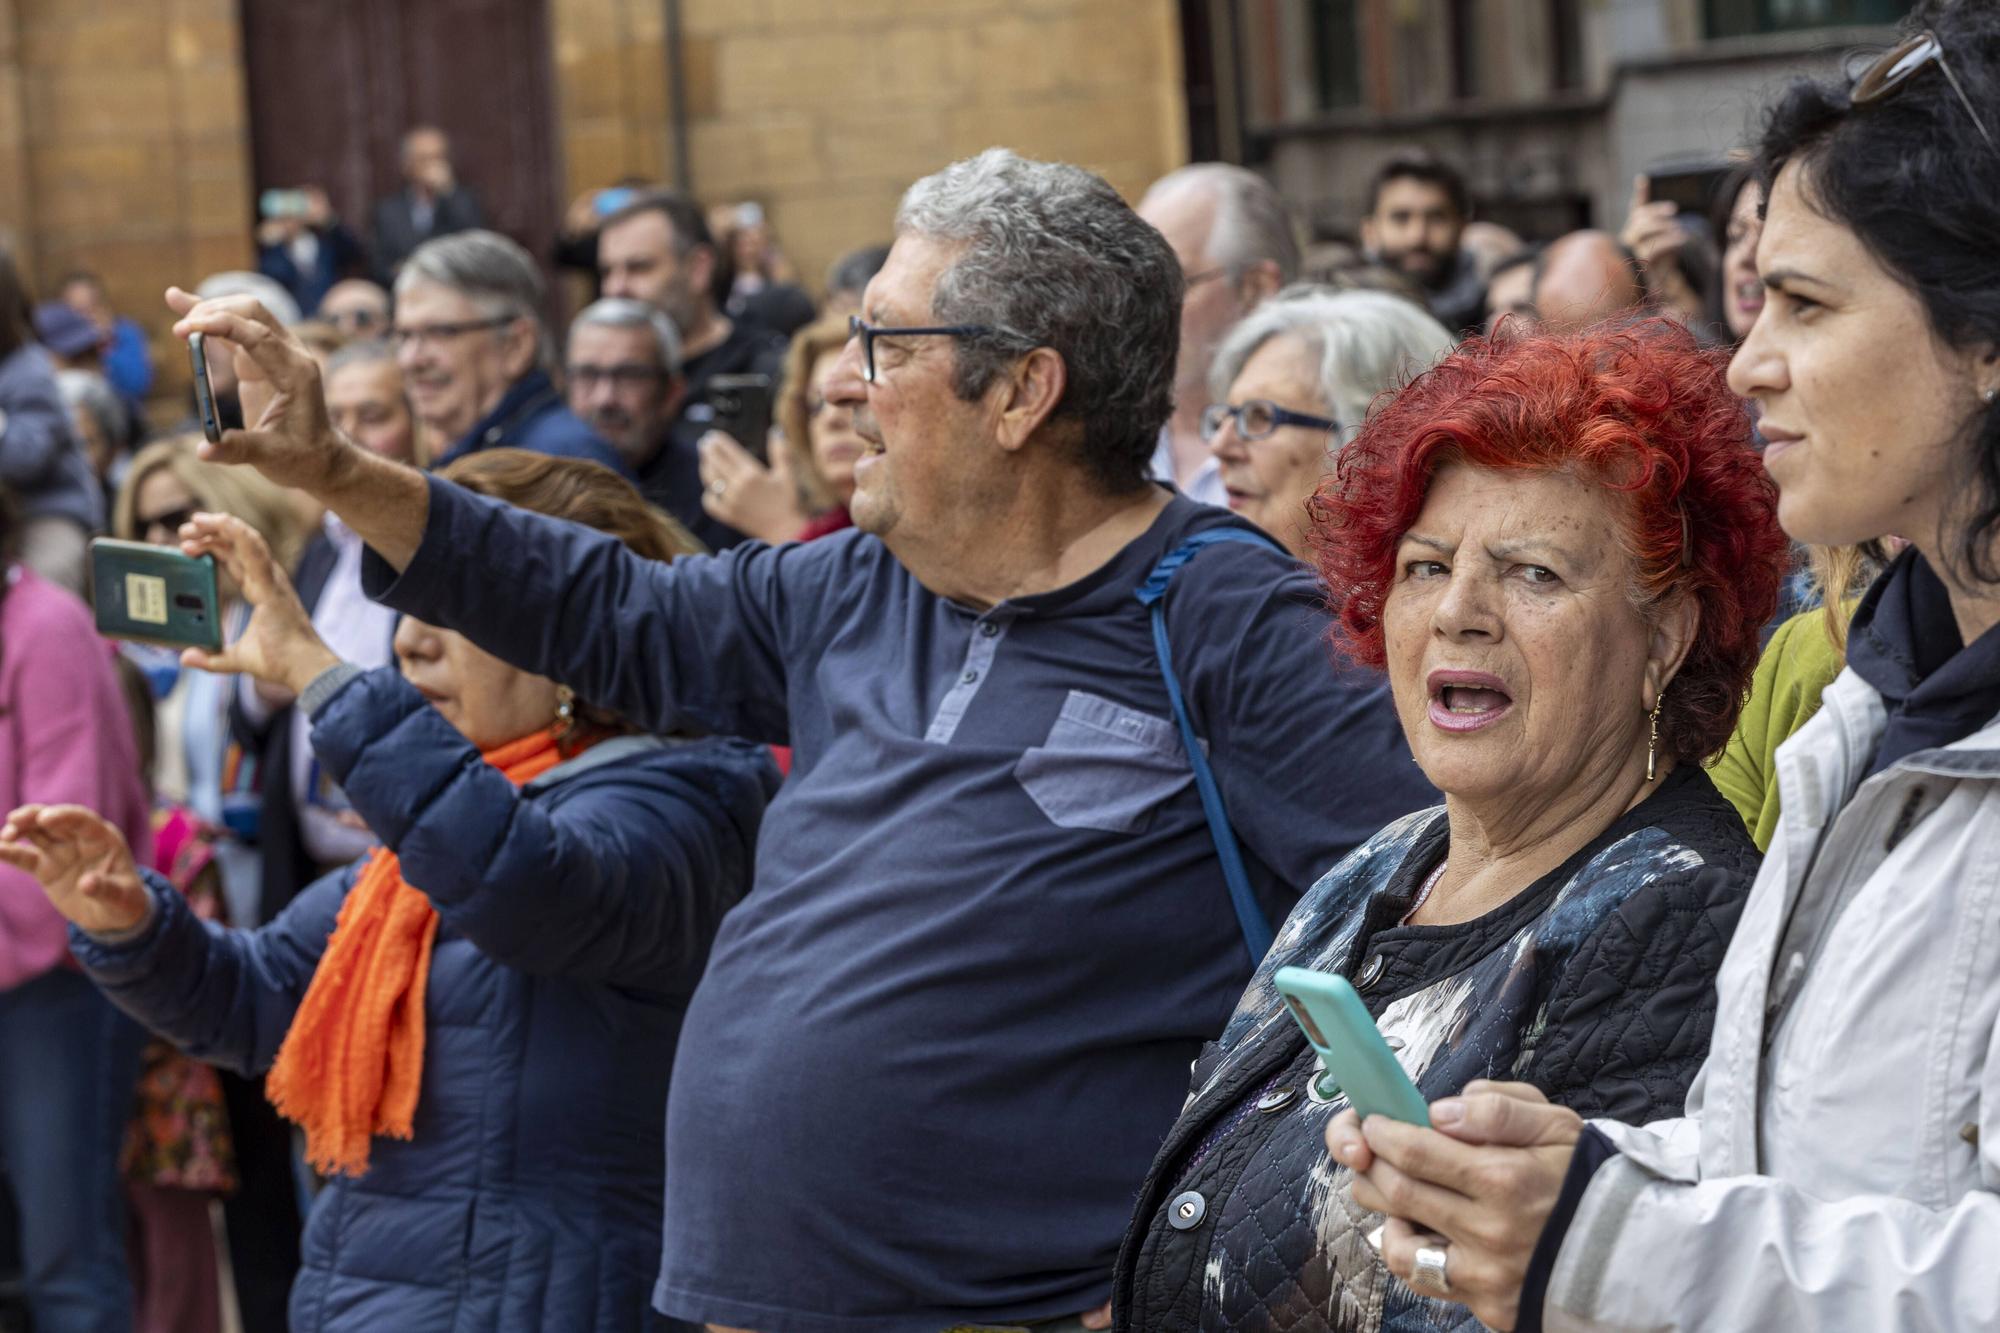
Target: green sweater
{"type": "Point", "coordinates": [1798, 664]}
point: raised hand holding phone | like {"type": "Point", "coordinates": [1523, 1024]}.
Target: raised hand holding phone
{"type": "Point", "coordinates": [82, 864]}
{"type": "Point", "coordinates": [279, 645]}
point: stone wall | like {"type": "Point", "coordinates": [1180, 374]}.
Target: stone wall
{"type": "Point", "coordinates": [825, 110]}
{"type": "Point", "coordinates": [123, 147]}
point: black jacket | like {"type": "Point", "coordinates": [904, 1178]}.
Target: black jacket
{"type": "Point", "coordinates": [397, 233]}
{"type": "Point", "coordinates": [1596, 984]}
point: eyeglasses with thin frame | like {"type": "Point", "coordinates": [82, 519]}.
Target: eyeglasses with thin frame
{"type": "Point", "coordinates": [1258, 419]}
{"type": "Point", "coordinates": [1894, 69]}
{"type": "Point", "coordinates": [858, 327]}
{"type": "Point", "coordinates": [410, 333]}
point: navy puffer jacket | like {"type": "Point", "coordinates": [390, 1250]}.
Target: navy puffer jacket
{"type": "Point", "coordinates": [576, 916]}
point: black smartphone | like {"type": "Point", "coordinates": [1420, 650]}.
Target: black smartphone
{"type": "Point", "coordinates": [1687, 183]}
{"type": "Point", "coordinates": [742, 405]}
{"type": "Point", "coordinates": [204, 392]}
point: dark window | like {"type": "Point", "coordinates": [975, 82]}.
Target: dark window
{"type": "Point", "coordinates": [1465, 49]}
{"type": "Point", "coordinates": [1741, 18]}
{"type": "Point", "coordinates": [1335, 26]}
{"type": "Point", "coordinates": [1566, 44]}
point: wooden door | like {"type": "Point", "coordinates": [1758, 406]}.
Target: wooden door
{"type": "Point", "coordinates": [334, 83]}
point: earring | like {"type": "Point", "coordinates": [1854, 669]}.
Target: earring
{"type": "Point", "coordinates": [1992, 396]}
{"type": "Point", "coordinates": [1653, 741]}
{"type": "Point", "coordinates": [565, 713]}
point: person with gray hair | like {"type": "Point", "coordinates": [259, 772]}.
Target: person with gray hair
{"type": "Point", "coordinates": [622, 374]}
{"type": "Point", "coordinates": [937, 1043]}
{"type": "Point", "coordinates": [1292, 383]}
{"type": "Point", "coordinates": [1234, 239]}
{"type": "Point", "coordinates": [470, 339]}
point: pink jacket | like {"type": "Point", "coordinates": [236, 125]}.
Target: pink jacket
{"type": "Point", "coordinates": [65, 737]}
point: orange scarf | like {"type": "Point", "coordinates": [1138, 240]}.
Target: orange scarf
{"type": "Point", "coordinates": [353, 1059]}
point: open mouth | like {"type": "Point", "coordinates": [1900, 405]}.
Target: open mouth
{"type": "Point", "coordinates": [1467, 701]}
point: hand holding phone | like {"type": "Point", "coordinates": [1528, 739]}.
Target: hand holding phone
{"type": "Point", "coordinates": [1350, 1047]}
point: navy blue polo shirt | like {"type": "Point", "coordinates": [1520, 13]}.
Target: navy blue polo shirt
{"type": "Point", "coordinates": [937, 1045]}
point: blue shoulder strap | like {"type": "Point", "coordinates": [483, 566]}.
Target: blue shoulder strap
{"type": "Point", "coordinates": [1153, 594]}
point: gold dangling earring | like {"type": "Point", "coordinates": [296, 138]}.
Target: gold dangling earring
{"type": "Point", "coordinates": [1653, 741]}
{"type": "Point", "coordinates": [565, 713]}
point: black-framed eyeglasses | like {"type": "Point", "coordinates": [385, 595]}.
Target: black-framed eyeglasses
{"type": "Point", "coordinates": [1257, 418]}
{"type": "Point", "coordinates": [1903, 62]}
{"type": "Point", "coordinates": [406, 334]}
{"type": "Point", "coordinates": [858, 327]}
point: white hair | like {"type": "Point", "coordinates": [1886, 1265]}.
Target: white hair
{"type": "Point", "coordinates": [268, 292]}
{"type": "Point", "coordinates": [1369, 344]}
{"type": "Point", "coordinates": [1251, 222]}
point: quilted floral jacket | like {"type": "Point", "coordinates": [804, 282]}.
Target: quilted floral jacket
{"type": "Point", "coordinates": [1596, 984]}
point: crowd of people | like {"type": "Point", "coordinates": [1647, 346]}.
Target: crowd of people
{"type": "Point", "coordinates": [619, 874]}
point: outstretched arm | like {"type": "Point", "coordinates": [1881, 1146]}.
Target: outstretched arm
{"type": "Point", "coordinates": [222, 995]}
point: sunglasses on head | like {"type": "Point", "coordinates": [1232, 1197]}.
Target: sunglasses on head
{"type": "Point", "coordinates": [1894, 68]}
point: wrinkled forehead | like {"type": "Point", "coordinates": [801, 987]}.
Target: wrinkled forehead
{"type": "Point", "coordinates": [904, 290]}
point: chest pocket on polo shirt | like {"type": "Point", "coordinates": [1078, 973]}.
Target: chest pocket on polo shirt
{"type": "Point", "coordinates": [1104, 766]}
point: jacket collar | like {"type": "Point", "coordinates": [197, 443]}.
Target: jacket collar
{"type": "Point", "coordinates": [533, 393]}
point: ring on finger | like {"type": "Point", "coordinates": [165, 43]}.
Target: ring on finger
{"type": "Point", "coordinates": [716, 488]}
{"type": "Point", "coordinates": [1427, 1273]}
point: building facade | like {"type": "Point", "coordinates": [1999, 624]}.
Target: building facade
{"type": "Point", "coordinates": [137, 135]}
{"type": "Point", "coordinates": [1551, 107]}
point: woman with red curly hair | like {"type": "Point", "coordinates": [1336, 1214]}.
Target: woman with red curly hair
{"type": "Point", "coordinates": [1560, 547]}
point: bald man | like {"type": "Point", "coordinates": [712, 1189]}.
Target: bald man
{"type": "Point", "coordinates": [1585, 277]}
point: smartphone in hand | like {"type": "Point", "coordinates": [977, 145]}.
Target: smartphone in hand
{"type": "Point", "coordinates": [154, 594]}
{"type": "Point", "coordinates": [204, 392]}
{"type": "Point", "coordinates": [742, 406]}
{"type": "Point", "coordinates": [1350, 1047]}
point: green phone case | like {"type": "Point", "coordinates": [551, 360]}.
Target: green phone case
{"type": "Point", "coordinates": [154, 594]}
{"type": "Point", "coordinates": [1350, 1046]}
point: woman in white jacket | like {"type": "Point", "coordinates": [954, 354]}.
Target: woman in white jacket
{"type": "Point", "coordinates": [1838, 1166]}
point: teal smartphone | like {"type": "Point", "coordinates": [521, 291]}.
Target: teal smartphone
{"type": "Point", "coordinates": [1350, 1047]}
{"type": "Point", "coordinates": [154, 594]}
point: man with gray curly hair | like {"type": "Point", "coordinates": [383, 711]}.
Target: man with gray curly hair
{"type": "Point", "coordinates": [936, 1046]}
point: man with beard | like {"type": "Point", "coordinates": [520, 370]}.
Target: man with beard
{"type": "Point", "coordinates": [1235, 244]}
{"type": "Point", "coordinates": [658, 249]}
{"type": "Point", "coordinates": [623, 371]}
{"type": "Point", "coordinates": [1417, 211]}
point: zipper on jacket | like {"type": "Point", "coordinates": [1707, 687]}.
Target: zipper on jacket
{"type": "Point", "coordinates": [1905, 821]}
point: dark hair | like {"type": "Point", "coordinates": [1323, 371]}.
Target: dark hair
{"type": "Point", "coordinates": [682, 213]}
{"type": "Point", "coordinates": [17, 306]}
{"type": "Point", "coordinates": [79, 275]}
{"type": "Point", "coordinates": [1415, 164]}
{"type": "Point", "coordinates": [1918, 185]}
{"type": "Point", "coordinates": [1721, 205]}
